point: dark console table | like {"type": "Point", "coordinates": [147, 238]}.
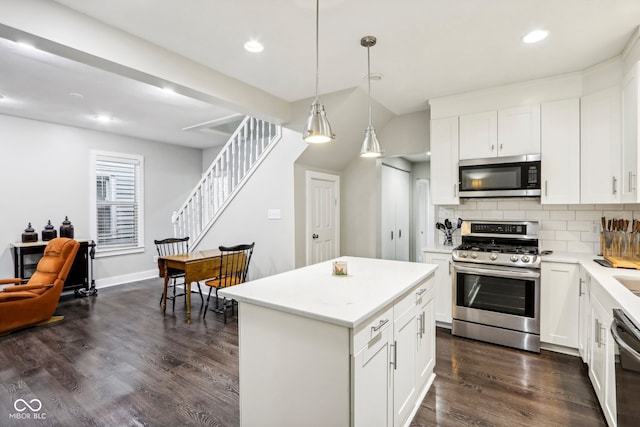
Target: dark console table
{"type": "Point", "coordinates": [80, 280]}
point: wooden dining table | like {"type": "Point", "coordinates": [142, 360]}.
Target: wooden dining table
{"type": "Point", "coordinates": [197, 266]}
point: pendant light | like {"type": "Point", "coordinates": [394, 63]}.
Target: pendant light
{"type": "Point", "coordinates": [370, 146]}
{"type": "Point", "coordinates": [318, 129]}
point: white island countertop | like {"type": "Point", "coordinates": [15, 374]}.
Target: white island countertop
{"type": "Point", "coordinates": [313, 292]}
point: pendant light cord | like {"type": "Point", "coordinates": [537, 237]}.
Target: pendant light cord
{"type": "Point", "coordinates": [369, 81]}
{"type": "Point", "coordinates": [317, 45]}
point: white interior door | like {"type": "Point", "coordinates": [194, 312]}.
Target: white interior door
{"type": "Point", "coordinates": [424, 228]}
{"type": "Point", "coordinates": [323, 224]}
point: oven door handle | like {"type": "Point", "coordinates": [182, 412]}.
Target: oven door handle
{"type": "Point", "coordinates": [621, 342]}
{"type": "Point", "coordinates": [498, 273]}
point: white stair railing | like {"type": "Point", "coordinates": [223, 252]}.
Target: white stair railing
{"type": "Point", "coordinates": [232, 167]}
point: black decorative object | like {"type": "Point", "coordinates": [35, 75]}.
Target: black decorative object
{"type": "Point", "coordinates": [66, 229]}
{"type": "Point", "coordinates": [49, 232]}
{"type": "Point", "coordinates": [29, 235]}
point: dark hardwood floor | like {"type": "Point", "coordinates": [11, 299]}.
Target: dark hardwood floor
{"type": "Point", "coordinates": [116, 361]}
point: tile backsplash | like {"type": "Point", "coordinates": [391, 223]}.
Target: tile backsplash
{"type": "Point", "coordinates": [563, 228]}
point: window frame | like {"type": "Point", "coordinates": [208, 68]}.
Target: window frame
{"type": "Point", "coordinates": [97, 155]}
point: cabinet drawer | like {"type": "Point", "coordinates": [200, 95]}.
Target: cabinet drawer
{"type": "Point", "coordinates": [372, 330]}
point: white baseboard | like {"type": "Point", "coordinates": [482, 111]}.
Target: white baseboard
{"type": "Point", "coordinates": [126, 278]}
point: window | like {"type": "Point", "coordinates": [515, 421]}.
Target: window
{"type": "Point", "coordinates": [117, 203]}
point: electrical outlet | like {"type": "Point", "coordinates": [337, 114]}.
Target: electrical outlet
{"type": "Point", "coordinates": [274, 214]}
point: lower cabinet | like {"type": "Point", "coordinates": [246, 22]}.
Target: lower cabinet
{"type": "Point", "coordinates": [601, 359]}
{"type": "Point", "coordinates": [443, 285]}
{"type": "Point", "coordinates": [584, 315]}
{"type": "Point", "coordinates": [392, 370]}
{"type": "Point", "coordinates": [559, 303]}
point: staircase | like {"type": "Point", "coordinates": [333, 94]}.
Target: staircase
{"type": "Point", "coordinates": [231, 169]}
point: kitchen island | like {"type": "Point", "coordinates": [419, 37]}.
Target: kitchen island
{"type": "Point", "coordinates": [323, 350]}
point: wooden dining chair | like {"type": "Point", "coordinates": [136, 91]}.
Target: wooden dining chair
{"type": "Point", "coordinates": [234, 266]}
{"type": "Point", "coordinates": [175, 246]}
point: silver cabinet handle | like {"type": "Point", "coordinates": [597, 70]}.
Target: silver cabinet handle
{"type": "Point", "coordinates": [419, 326]}
{"type": "Point", "coordinates": [455, 192]}
{"type": "Point", "coordinates": [421, 292]}
{"type": "Point", "coordinates": [580, 293]}
{"type": "Point", "coordinates": [493, 147]}
{"type": "Point", "coordinates": [399, 234]}
{"type": "Point", "coordinates": [395, 355]}
{"type": "Point", "coordinates": [380, 325]}
{"type": "Point", "coordinates": [614, 180]}
{"type": "Point", "coordinates": [597, 333]}
{"type": "Point", "coordinates": [423, 322]}
{"type": "Point", "coordinates": [391, 234]}
{"type": "Point", "coordinates": [500, 147]}
{"type": "Point", "coordinates": [546, 188]}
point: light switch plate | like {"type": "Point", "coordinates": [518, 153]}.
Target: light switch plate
{"type": "Point", "coordinates": [273, 214]}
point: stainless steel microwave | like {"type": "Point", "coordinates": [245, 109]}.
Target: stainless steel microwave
{"type": "Point", "coordinates": [517, 176]}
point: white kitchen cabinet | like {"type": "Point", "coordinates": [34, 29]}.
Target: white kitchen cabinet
{"type": "Point", "coordinates": [519, 130]}
{"type": "Point", "coordinates": [396, 187]}
{"type": "Point", "coordinates": [443, 286]}
{"type": "Point", "coordinates": [405, 351]}
{"type": "Point", "coordinates": [600, 147]}
{"type": "Point", "coordinates": [560, 148]}
{"type": "Point", "coordinates": [630, 136]}
{"type": "Point", "coordinates": [559, 304]}
{"type": "Point", "coordinates": [478, 135]}
{"type": "Point", "coordinates": [373, 406]}
{"type": "Point", "coordinates": [426, 355]}
{"type": "Point", "coordinates": [584, 315]}
{"type": "Point", "coordinates": [602, 362]}
{"type": "Point", "coordinates": [444, 161]}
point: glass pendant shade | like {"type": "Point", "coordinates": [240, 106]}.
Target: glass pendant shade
{"type": "Point", "coordinates": [370, 146]}
{"type": "Point", "coordinates": [318, 129]}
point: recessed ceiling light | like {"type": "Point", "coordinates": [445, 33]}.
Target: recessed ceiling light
{"type": "Point", "coordinates": [76, 95]}
{"type": "Point", "coordinates": [535, 36]}
{"type": "Point", "coordinates": [253, 46]}
{"type": "Point", "coordinates": [374, 76]}
{"type": "Point", "coordinates": [428, 153]}
{"type": "Point", "coordinates": [103, 118]}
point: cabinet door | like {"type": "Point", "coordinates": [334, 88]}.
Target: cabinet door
{"type": "Point", "coordinates": [560, 148]}
{"type": "Point", "coordinates": [630, 98]}
{"type": "Point", "coordinates": [479, 135]}
{"type": "Point", "coordinates": [602, 363]}
{"type": "Point", "coordinates": [519, 130]}
{"type": "Point", "coordinates": [584, 315]}
{"type": "Point", "coordinates": [443, 286]}
{"type": "Point", "coordinates": [405, 334]}
{"type": "Point", "coordinates": [373, 399]}
{"type": "Point", "coordinates": [559, 302]}
{"type": "Point", "coordinates": [426, 357]}
{"type": "Point", "coordinates": [600, 147]}
{"type": "Point", "coordinates": [444, 161]}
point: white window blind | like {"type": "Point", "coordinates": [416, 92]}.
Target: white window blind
{"type": "Point", "coordinates": [118, 219]}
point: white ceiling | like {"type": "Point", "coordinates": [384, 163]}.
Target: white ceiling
{"type": "Point", "coordinates": [426, 49]}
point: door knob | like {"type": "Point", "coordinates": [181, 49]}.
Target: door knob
{"type": "Point", "coordinates": [315, 236]}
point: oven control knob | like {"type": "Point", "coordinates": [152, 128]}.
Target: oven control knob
{"type": "Point", "coordinates": [493, 257]}
{"type": "Point", "coordinates": [463, 254]}
{"type": "Point", "coordinates": [514, 258]}
{"type": "Point", "coordinates": [525, 258]}
{"type": "Point", "coordinates": [474, 255]}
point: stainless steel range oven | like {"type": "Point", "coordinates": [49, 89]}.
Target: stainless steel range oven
{"type": "Point", "coordinates": [496, 283]}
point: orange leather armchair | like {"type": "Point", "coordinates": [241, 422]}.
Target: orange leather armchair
{"type": "Point", "coordinates": [36, 302]}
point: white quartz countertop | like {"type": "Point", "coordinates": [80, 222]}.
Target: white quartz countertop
{"type": "Point", "coordinates": [606, 277]}
{"type": "Point", "coordinates": [371, 284]}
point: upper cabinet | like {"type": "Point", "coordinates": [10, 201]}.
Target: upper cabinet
{"type": "Point", "coordinates": [502, 133]}
{"type": "Point", "coordinates": [630, 137]}
{"type": "Point", "coordinates": [519, 131]}
{"type": "Point", "coordinates": [600, 146]}
{"type": "Point", "coordinates": [479, 135]}
{"type": "Point", "coordinates": [560, 149]}
{"type": "Point", "coordinates": [444, 161]}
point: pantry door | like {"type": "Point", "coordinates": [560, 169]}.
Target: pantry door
{"type": "Point", "coordinates": [395, 198]}
{"type": "Point", "coordinates": [323, 217]}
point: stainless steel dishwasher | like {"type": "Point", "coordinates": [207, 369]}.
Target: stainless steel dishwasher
{"type": "Point", "coordinates": [626, 334]}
